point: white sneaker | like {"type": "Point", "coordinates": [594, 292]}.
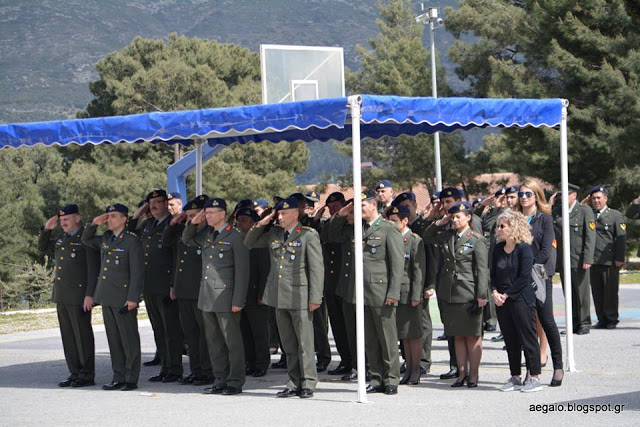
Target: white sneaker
{"type": "Point", "coordinates": [511, 385]}
{"type": "Point", "coordinates": [531, 385]}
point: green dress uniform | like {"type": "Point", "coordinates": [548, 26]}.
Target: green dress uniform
{"type": "Point", "coordinates": [186, 287]}
{"type": "Point", "coordinates": [120, 279]}
{"type": "Point", "coordinates": [633, 212]}
{"type": "Point", "coordinates": [76, 274]}
{"type": "Point", "coordinates": [225, 279]}
{"type": "Point", "coordinates": [463, 276]}
{"type": "Point", "coordinates": [489, 223]}
{"type": "Point", "coordinates": [296, 279]}
{"type": "Point", "coordinates": [408, 318]}
{"type": "Point", "coordinates": [610, 246]}
{"type": "Point", "coordinates": [582, 241]}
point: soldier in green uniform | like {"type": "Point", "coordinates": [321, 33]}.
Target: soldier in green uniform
{"type": "Point", "coordinates": [164, 312]}
{"type": "Point", "coordinates": [294, 288]}
{"type": "Point", "coordinates": [186, 286]}
{"type": "Point", "coordinates": [409, 311]}
{"type": "Point", "coordinates": [225, 279]}
{"type": "Point", "coordinates": [582, 239]}
{"type": "Point", "coordinates": [76, 273]}
{"type": "Point", "coordinates": [120, 281]}
{"type": "Point", "coordinates": [418, 225]}
{"type": "Point", "coordinates": [633, 212]}
{"type": "Point", "coordinates": [384, 195]}
{"type": "Point", "coordinates": [255, 315]}
{"type": "Point", "coordinates": [608, 257]}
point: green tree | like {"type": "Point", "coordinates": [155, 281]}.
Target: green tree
{"type": "Point", "coordinates": [586, 52]}
{"type": "Point", "coordinates": [396, 64]}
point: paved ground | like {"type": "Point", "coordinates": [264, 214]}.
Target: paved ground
{"type": "Point", "coordinates": [32, 363]}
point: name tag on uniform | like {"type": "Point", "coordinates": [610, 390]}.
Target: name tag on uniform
{"type": "Point", "coordinates": [75, 244]}
{"type": "Point", "coordinates": [375, 238]}
{"type": "Point", "coordinates": [468, 246]}
{"type": "Point", "coordinates": [295, 244]}
{"type": "Point", "coordinates": [117, 250]}
{"type": "Point", "coordinates": [220, 242]}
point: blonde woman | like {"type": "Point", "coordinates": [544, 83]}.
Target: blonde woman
{"type": "Point", "coordinates": [515, 298]}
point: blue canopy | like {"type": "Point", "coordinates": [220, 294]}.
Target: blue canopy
{"type": "Point", "coordinates": [304, 120]}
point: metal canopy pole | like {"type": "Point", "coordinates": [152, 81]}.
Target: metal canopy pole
{"type": "Point", "coordinates": [434, 89]}
{"type": "Point", "coordinates": [198, 143]}
{"type": "Point", "coordinates": [355, 103]}
{"type": "Point", "coordinates": [566, 256]}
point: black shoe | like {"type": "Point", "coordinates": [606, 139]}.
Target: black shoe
{"type": "Point", "coordinates": [339, 370]}
{"type": "Point", "coordinates": [404, 380]}
{"type": "Point", "coordinates": [113, 386]}
{"type": "Point", "coordinates": [600, 325]}
{"type": "Point", "coordinates": [424, 370]}
{"type": "Point", "coordinates": [249, 371]}
{"type": "Point", "coordinates": [230, 391]}
{"type": "Point", "coordinates": [460, 383]}
{"type": "Point", "coordinates": [416, 382]}
{"type": "Point", "coordinates": [216, 389]}
{"type": "Point", "coordinates": [490, 328]}
{"type": "Point", "coordinates": [66, 383]}
{"type": "Point", "coordinates": [171, 378]}
{"type": "Point", "coordinates": [158, 378]}
{"type": "Point", "coordinates": [555, 382]}
{"type": "Point", "coordinates": [82, 383]}
{"type": "Point", "coordinates": [497, 338]}
{"type": "Point", "coordinates": [403, 367]}
{"type": "Point", "coordinates": [391, 389]}
{"type": "Point", "coordinates": [321, 366]}
{"type": "Point", "coordinates": [280, 364]}
{"type": "Point", "coordinates": [155, 361]}
{"type": "Point", "coordinates": [612, 325]}
{"type": "Point", "coordinates": [563, 332]}
{"type": "Point", "coordinates": [129, 386]}
{"type": "Point", "coordinates": [305, 393]}
{"type": "Point", "coordinates": [287, 392]}
{"type": "Point", "coordinates": [472, 384]}
{"type": "Point", "coordinates": [352, 376]}
{"type": "Point", "coordinates": [453, 372]}
{"type": "Point", "coordinates": [187, 380]}
{"type": "Point", "coordinates": [259, 373]}
{"type": "Point", "coordinates": [582, 331]}
{"type": "Point", "coordinates": [203, 380]}
{"type": "Point", "coordinates": [442, 338]}
{"type": "Point", "coordinates": [375, 389]}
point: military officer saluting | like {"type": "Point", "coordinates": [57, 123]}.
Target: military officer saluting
{"type": "Point", "coordinates": [582, 229]}
{"type": "Point", "coordinates": [186, 287]}
{"type": "Point", "coordinates": [76, 273]}
{"type": "Point", "coordinates": [118, 290]}
{"type": "Point", "coordinates": [225, 278]}
{"type": "Point", "coordinates": [609, 253]}
{"type": "Point", "coordinates": [294, 288]}
{"type": "Point", "coordinates": [158, 274]}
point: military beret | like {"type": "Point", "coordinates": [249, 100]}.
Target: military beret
{"type": "Point", "coordinates": [384, 184]}
{"type": "Point", "coordinates": [288, 203]}
{"type": "Point", "coordinates": [599, 189]}
{"type": "Point", "coordinates": [572, 188]}
{"type": "Point", "coordinates": [174, 195]}
{"type": "Point", "coordinates": [435, 196]}
{"type": "Point", "coordinates": [246, 203]}
{"type": "Point", "coordinates": [117, 207]}
{"type": "Point", "coordinates": [477, 200]}
{"type": "Point", "coordinates": [460, 207]}
{"type": "Point", "coordinates": [368, 195]}
{"type": "Point", "coordinates": [68, 210]}
{"type": "Point", "coordinates": [335, 197]}
{"type": "Point", "coordinates": [215, 202]}
{"type": "Point", "coordinates": [156, 193]}
{"type": "Point", "coordinates": [261, 202]}
{"type": "Point", "coordinates": [299, 197]}
{"type": "Point", "coordinates": [407, 195]}
{"type": "Point", "coordinates": [247, 212]}
{"type": "Point", "coordinates": [454, 192]}
{"type": "Point", "coordinates": [312, 196]}
{"type": "Point", "coordinates": [277, 199]}
{"type": "Point", "coordinates": [511, 189]}
{"type": "Point", "coordinates": [197, 203]}
{"type": "Point", "coordinates": [501, 191]}
{"type": "Point", "coordinates": [399, 210]}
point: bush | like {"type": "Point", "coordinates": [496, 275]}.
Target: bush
{"type": "Point", "coordinates": [31, 288]}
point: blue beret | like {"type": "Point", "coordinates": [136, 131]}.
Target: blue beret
{"type": "Point", "coordinates": [435, 196]}
{"type": "Point", "coordinates": [68, 210]}
{"type": "Point", "coordinates": [460, 207]}
{"type": "Point", "coordinates": [288, 203]}
{"type": "Point", "coordinates": [512, 189]}
{"type": "Point", "coordinates": [368, 195]}
{"type": "Point", "coordinates": [156, 193]}
{"type": "Point", "coordinates": [454, 192]}
{"type": "Point", "coordinates": [246, 203]}
{"type": "Point", "coordinates": [407, 195]}
{"type": "Point", "coordinates": [478, 200]}
{"type": "Point", "coordinates": [197, 203]}
{"type": "Point", "coordinates": [401, 211]}
{"type": "Point", "coordinates": [216, 202]}
{"type": "Point", "coordinates": [117, 207]}
{"type": "Point", "coordinates": [299, 197]}
{"type": "Point", "coordinates": [174, 195]}
{"type": "Point", "coordinates": [247, 212]}
{"type": "Point", "coordinates": [384, 184]}
{"type": "Point", "coordinates": [599, 189]}
{"type": "Point", "coordinates": [501, 191]}
{"type": "Point", "coordinates": [335, 197]}
{"type": "Point", "coordinates": [312, 196]}
{"type": "Point", "coordinates": [277, 199]}
{"type": "Point", "coordinates": [261, 202]}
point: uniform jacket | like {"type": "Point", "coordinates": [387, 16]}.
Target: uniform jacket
{"type": "Point", "coordinates": [582, 239]}
{"type": "Point", "coordinates": [188, 268]}
{"type": "Point", "coordinates": [463, 272]}
{"type": "Point", "coordinates": [260, 267]}
{"type": "Point", "coordinates": [76, 271]}
{"type": "Point", "coordinates": [419, 226]}
{"type": "Point", "coordinates": [332, 256]}
{"type": "Point", "coordinates": [297, 270]}
{"type": "Point", "coordinates": [225, 267]}
{"type": "Point", "coordinates": [611, 237]}
{"type": "Point", "coordinates": [158, 258]}
{"type": "Point", "coordinates": [121, 275]}
{"type": "Point", "coordinates": [415, 262]}
{"type": "Point", "coordinates": [339, 231]}
{"type": "Point", "coordinates": [633, 212]}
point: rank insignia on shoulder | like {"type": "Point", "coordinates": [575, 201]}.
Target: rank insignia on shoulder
{"type": "Point", "coordinates": [298, 229]}
{"type": "Point", "coordinates": [623, 227]}
{"type": "Point", "coordinates": [592, 225]}
{"type": "Point", "coordinates": [228, 227]}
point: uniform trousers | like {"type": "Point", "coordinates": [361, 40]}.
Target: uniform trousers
{"type": "Point", "coordinates": [124, 343]}
{"type": "Point", "coordinates": [349, 313]}
{"type": "Point", "coordinates": [224, 341]}
{"type": "Point", "coordinates": [77, 341]}
{"type": "Point", "coordinates": [254, 324]}
{"type": "Point", "coordinates": [427, 334]}
{"type": "Point", "coordinates": [605, 282]}
{"type": "Point", "coordinates": [165, 322]}
{"type": "Point", "coordinates": [193, 330]}
{"type": "Point", "coordinates": [321, 334]}
{"type": "Point", "coordinates": [381, 342]}
{"type": "Point", "coordinates": [518, 326]}
{"type": "Point", "coordinates": [336, 318]}
{"type": "Point", "coordinates": [581, 296]}
{"type": "Point", "coordinates": [296, 334]}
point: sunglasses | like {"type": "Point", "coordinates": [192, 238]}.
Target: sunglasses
{"type": "Point", "coordinates": [525, 194]}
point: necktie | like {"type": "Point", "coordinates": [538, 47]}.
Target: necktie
{"type": "Point", "coordinates": [215, 235]}
{"type": "Point", "coordinates": [286, 236]}
{"type": "Point", "coordinates": [366, 227]}
{"type": "Point", "coordinates": [598, 215]}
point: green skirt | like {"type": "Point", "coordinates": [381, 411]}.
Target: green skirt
{"type": "Point", "coordinates": [409, 321]}
{"type": "Point", "coordinates": [458, 322]}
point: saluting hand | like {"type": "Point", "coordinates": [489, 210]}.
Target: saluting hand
{"type": "Point", "coordinates": [320, 213]}
{"type": "Point", "coordinates": [199, 218]}
{"type": "Point", "coordinates": [182, 217]}
{"type": "Point", "coordinates": [490, 199]}
{"type": "Point", "coordinates": [267, 219]}
{"type": "Point", "coordinates": [100, 219]}
{"type": "Point", "coordinates": [345, 210]}
{"type": "Point", "coordinates": [51, 223]}
{"type": "Point", "coordinates": [585, 201]}
{"type": "Point", "coordinates": [141, 210]}
{"type": "Point", "coordinates": [552, 199]}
